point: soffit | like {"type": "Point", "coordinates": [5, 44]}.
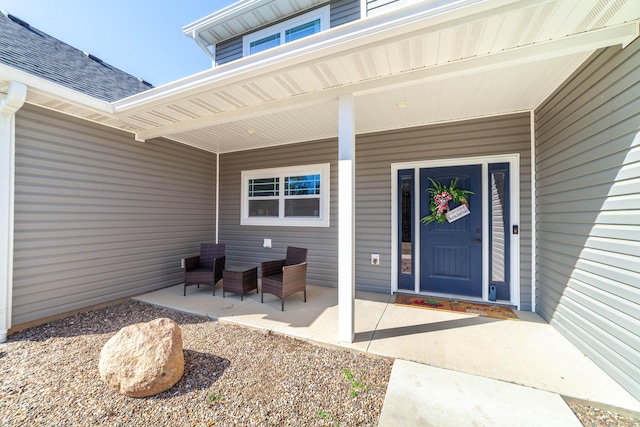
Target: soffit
{"type": "Point", "coordinates": [456, 64]}
{"type": "Point", "coordinates": [507, 90]}
{"type": "Point", "coordinates": [244, 16]}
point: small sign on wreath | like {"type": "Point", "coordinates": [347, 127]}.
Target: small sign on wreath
{"type": "Point", "coordinates": [441, 195]}
{"type": "Point", "coordinates": [457, 213]}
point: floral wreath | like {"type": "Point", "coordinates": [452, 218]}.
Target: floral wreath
{"type": "Point", "coordinates": [440, 197]}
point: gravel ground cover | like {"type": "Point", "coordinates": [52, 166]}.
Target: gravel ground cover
{"type": "Point", "coordinates": [234, 376]}
{"type": "Point", "coordinates": [590, 416]}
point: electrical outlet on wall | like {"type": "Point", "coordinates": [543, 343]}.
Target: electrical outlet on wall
{"type": "Point", "coordinates": [375, 259]}
{"type": "Point", "coordinates": [182, 263]}
{"type": "Point", "coordinates": [266, 243]}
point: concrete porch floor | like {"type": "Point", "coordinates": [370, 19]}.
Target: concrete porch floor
{"type": "Point", "coordinates": [528, 353]}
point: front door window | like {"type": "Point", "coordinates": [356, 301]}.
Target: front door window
{"type": "Point", "coordinates": [406, 203]}
{"type": "Point", "coordinates": [499, 243]}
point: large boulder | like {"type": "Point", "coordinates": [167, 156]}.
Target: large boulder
{"type": "Point", "coordinates": [143, 359]}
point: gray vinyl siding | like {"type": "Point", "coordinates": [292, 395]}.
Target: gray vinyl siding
{"type": "Point", "coordinates": [374, 155]}
{"type": "Point", "coordinates": [372, 5]}
{"type": "Point", "coordinates": [99, 216]}
{"type": "Point", "coordinates": [245, 243]}
{"type": "Point", "coordinates": [340, 12]}
{"type": "Point", "coordinates": [588, 217]}
{"type": "Point", "coordinates": [343, 11]}
{"type": "Point", "coordinates": [229, 50]}
{"type": "Point", "coordinates": [376, 152]}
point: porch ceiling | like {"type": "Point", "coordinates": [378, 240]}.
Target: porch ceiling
{"type": "Point", "coordinates": [460, 60]}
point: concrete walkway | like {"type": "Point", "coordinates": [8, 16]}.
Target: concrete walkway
{"type": "Point", "coordinates": [450, 369]}
{"type": "Point", "coordinates": [421, 395]}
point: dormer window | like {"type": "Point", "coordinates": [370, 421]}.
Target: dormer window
{"type": "Point", "coordinates": [287, 31]}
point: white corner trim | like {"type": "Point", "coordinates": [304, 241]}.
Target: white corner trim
{"type": "Point", "coordinates": [13, 101]}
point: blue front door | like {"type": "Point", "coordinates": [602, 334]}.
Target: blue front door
{"type": "Point", "coordinates": [451, 253]}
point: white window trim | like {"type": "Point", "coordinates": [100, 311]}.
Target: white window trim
{"type": "Point", "coordinates": [321, 13]}
{"type": "Point", "coordinates": [322, 169]}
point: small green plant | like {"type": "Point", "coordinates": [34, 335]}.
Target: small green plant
{"type": "Point", "coordinates": [213, 398]}
{"type": "Point", "coordinates": [324, 415]}
{"type": "Point", "coordinates": [347, 374]}
{"type": "Point", "coordinates": [356, 385]}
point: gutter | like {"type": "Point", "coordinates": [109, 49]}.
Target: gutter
{"type": "Point", "coordinates": [13, 101]}
{"type": "Point", "coordinates": [38, 85]}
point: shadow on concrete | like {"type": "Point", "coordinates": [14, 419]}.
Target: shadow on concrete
{"type": "Point", "coordinates": [379, 334]}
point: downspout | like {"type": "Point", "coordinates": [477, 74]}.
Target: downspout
{"type": "Point", "coordinates": [12, 102]}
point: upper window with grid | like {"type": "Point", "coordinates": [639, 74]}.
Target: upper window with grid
{"type": "Point", "coordinates": [284, 32]}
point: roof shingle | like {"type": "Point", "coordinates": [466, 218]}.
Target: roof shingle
{"type": "Point", "coordinates": [28, 49]}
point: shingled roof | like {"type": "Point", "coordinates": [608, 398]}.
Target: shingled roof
{"type": "Point", "coordinates": [28, 49]}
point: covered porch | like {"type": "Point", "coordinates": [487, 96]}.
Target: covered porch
{"type": "Point", "coordinates": [331, 97]}
{"type": "Point", "coordinates": [461, 81]}
{"type": "Point", "coordinates": [529, 352]}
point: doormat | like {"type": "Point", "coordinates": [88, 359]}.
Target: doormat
{"type": "Point", "coordinates": [485, 310]}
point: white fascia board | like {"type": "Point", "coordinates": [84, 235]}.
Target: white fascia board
{"type": "Point", "coordinates": [324, 44]}
{"type": "Point", "coordinates": [45, 87]}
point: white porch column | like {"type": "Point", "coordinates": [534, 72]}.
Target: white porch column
{"type": "Point", "coordinates": [8, 107]}
{"type": "Point", "coordinates": [346, 220]}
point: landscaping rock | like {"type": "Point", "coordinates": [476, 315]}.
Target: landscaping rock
{"type": "Point", "coordinates": [143, 359]}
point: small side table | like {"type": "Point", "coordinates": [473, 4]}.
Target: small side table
{"type": "Point", "coordinates": [239, 279]}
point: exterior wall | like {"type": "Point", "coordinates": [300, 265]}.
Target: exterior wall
{"type": "Point", "coordinates": [379, 6]}
{"type": "Point", "coordinates": [343, 11]}
{"type": "Point", "coordinates": [340, 12]}
{"type": "Point", "coordinates": [376, 152]}
{"type": "Point", "coordinates": [229, 50]}
{"type": "Point", "coordinates": [374, 155]}
{"type": "Point", "coordinates": [244, 243]}
{"type": "Point", "coordinates": [99, 216]}
{"type": "Point", "coordinates": [588, 223]}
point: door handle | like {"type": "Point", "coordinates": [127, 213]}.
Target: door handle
{"type": "Point", "coordinates": [478, 241]}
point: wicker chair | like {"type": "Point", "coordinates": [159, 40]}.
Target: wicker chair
{"type": "Point", "coordinates": [284, 277]}
{"type": "Point", "coordinates": [205, 269]}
